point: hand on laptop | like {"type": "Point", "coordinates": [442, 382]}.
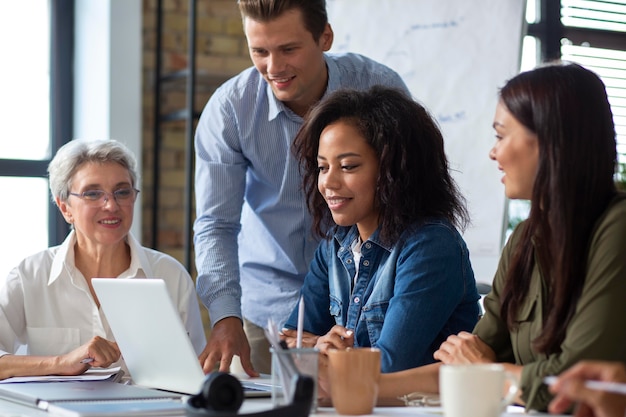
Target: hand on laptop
{"type": "Point", "coordinates": [226, 340]}
{"type": "Point", "coordinates": [102, 352]}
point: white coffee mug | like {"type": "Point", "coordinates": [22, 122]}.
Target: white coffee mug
{"type": "Point", "coordinates": [475, 390]}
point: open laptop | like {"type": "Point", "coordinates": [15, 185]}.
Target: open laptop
{"type": "Point", "coordinates": [152, 338]}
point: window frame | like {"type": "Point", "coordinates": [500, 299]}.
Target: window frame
{"type": "Point", "coordinates": [549, 31]}
{"type": "Point", "coordinates": [61, 96]}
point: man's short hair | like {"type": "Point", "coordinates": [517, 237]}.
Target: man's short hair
{"type": "Point", "coordinates": [313, 12]}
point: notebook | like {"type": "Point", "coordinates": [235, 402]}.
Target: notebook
{"type": "Point", "coordinates": [152, 338]}
{"type": "Point", "coordinates": [62, 398]}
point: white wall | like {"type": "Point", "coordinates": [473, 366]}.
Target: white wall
{"type": "Point", "coordinates": [453, 56]}
{"type": "Point", "coordinates": [107, 74]}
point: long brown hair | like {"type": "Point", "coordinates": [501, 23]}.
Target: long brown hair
{"type": "Point", "coordinates": [566, 106]}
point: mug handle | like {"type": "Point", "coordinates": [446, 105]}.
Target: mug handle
{"type": "Point", "coordinates": [512, 391]}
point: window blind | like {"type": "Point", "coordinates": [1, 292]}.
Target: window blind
{"type": "Point", "coordinates": [608, 17]}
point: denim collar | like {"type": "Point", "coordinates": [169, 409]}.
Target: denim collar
{"type": "Point", "coordinates": [345, 235]}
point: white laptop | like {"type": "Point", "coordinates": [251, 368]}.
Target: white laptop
{"type": "Point", "coordinates": [152, 338]}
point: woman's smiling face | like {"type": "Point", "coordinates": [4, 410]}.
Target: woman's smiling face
{"type": "Point", "coordinates": [105, 223]}
{"type": "Point", "coordinates": [348, 171]}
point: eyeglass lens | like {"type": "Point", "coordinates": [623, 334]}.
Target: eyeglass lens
{"type": "Point", "coordinates": [123, 197]}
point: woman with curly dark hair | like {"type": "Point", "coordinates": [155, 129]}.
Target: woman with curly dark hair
{"type": "Point", "coordinates": [392, 270]}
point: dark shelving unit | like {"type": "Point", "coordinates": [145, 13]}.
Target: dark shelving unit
{"type": "Point", "coordinates": [187, 114]}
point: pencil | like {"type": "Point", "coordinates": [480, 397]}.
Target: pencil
{"type": "Point", "coordinates": [300, 323]}
{"type": "Point", "coordinates": [612, 387]}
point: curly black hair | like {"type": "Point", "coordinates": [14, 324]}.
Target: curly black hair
{"type": "Point", "coordinates": [414, 181]}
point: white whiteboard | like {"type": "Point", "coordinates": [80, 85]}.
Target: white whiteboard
{"type": "Point", "coordinates": [454, 55]}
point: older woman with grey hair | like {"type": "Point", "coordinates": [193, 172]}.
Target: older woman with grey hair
{"type": "Point", "coordinates": [48, 303]}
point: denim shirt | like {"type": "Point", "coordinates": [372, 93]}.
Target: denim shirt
{"type": "Point", "coordinates": [407, 298]}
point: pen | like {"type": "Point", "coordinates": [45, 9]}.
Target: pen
{"type": "Point", "coordinates": [87, 360]}
{"type": "Point", "coordinates": [300, 323]}
{"type": "Point", "coordinates": [613, 387]}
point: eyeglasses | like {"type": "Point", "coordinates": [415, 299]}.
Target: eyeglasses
{"type": "Point", "coordinates": [420, 399]}
{"type": "Point", "coordinates": [98, 198]}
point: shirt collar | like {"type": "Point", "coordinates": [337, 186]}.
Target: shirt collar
{"type": "Point", "coordinates": [334, 78]}
{"type": "Point", "coordinates": [275, 106]}
{"type": "Point", "coordinates": [65, 254]}
{"type": "Point", "coordinates": [346, 235]}
{"type": "Point", "coordinates": [139, 265]}
{"type": "Point", "coordinates": [138, 261]}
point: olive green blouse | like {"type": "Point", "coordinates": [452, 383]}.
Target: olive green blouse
{"type": "Point", "coordinates": [597, 329]}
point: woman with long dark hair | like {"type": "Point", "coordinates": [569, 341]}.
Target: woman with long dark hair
{"type": "Point", "coordinates": [559, 294]}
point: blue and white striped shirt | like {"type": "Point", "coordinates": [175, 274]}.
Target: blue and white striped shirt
{"type": "Point", "coordinates": [252, 238]}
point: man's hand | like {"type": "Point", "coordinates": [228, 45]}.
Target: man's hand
{"type": "Point", "coordinates": [227, 339]}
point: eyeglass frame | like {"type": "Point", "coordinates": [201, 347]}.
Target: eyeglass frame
{"type": "Point", "coordinates": [105, 197]}
{"type": "Point", "coordinates": [420, 399]}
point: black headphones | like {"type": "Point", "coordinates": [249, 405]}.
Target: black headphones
{"type": "Point", "coordinates": [221, 395]}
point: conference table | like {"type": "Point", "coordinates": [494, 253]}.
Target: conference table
{"type": "Point", "coordinates": [252, 405]}
{"type": "Point", "coordinates": [10, 409]}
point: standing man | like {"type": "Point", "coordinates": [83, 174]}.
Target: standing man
{"type": "Point", "coordinates": [252, 233]}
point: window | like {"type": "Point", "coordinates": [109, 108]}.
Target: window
{"type": "Point", "coordinates": [36, 36]}
{"type": "Point", "coordinates": [25, 81]}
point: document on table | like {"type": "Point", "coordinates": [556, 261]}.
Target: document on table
{"type": "Point", "coordinates": [93, 374]}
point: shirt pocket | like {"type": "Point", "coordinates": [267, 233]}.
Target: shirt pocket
{"type": "Point", "coordinates": [373, 316]}
{"type": "Point", "coordinates": [46, 341]}
{"type": "Point", "coordinates": [526, 312]}
{"type": "Point", "coordinates": [335, 311]}
{"type": "Point", "coordinates": [526, 331]}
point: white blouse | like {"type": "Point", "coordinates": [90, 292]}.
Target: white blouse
{"type": "Point", "coordinates": [45, 302]}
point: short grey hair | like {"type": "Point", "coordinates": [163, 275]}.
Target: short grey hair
{"type": "Point", "coordinates": [71, 156]}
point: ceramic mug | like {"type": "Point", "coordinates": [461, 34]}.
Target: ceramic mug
{"type": "Point", "coordinates": [476, 390]}
{"type": "Point", "coordinates": [353, 377]}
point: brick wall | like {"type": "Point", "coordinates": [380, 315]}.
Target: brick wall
{"type": "Point", "coordinates": [221, 52]}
